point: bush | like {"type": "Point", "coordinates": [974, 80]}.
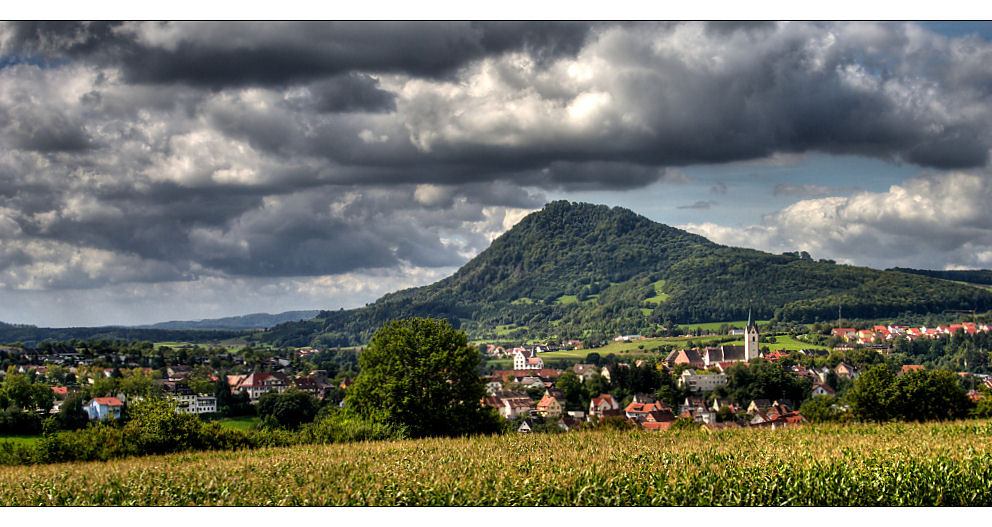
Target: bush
{"type": "Point", "coordinates": [341, 428]}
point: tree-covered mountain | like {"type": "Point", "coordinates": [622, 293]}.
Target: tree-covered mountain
{"type": "Point", "coordinates": [572, 269]}
{"type": "Point", "coordinates": [972, 276]}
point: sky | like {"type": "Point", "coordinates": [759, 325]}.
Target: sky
{"type": "Point", "coordinates": [159, 171]}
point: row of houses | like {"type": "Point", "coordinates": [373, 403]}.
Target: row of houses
{"type": "Point", "coordinates": [644, 411]}
{"type": "Point", "coordinates": [882, 333]}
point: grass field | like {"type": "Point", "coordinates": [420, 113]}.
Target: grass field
{"type": "Point", "coordinates": [857, 465]}
{"type": "Point", "coordinates": [239, 423]}
{"type": "Point", "coordinates": [20, 439]}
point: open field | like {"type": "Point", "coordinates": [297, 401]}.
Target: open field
{"type": "Point", "coordinates": [787, 343]}
{"type": "Point", "coordinates": [20, 439]}
{"type": "Point", "coordinates": [239, 423]}
{"type": "Point", "coordinates": [893, 464]}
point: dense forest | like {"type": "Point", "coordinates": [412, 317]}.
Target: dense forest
{"type": "Point", "coordinates": [32, 336]}
{"type": "Point", "coordinates": [971, 276]}
{"type": "Point", "coordinates": [573, 269]}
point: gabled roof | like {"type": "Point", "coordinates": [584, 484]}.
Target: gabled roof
{"type": "Point", "coordinates": [107, 401]}
{"type": "Point", "coordinates": [604, 398]}
{"type": "Point", "coordinates": [825, 387]}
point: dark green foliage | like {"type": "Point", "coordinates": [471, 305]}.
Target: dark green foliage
{"type": "Point", "coordinates": [821, 409]}
{"type": "Point", "coordinates": [588, 250]}
{"type": "Point", "coordinates": [764, 380]}
{"type": "Point", "coordinates": [981, 276]}
{"type": "Point", "coordinates": [873, 396]}
{"type": "Point", "coordinates": [287, 410]}
{"type": "Point", "coordinates": [421, 374]}
{"type": "Point", "coordinates": [879, 395]}
{"type": "Point", "coordinates": [71, 415]}
{"type": "Point", "coordinates": [34, 336]}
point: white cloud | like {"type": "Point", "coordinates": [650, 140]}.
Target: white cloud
{"type": "Point", "coordinates": [933, 221]}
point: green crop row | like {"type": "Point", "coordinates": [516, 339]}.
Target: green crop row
{"type": "Point", "coordinates": [855, 465]}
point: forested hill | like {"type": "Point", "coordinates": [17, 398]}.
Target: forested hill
{"type": "Point", "coordinates": [574, 268]}
{"type": "Point", "coordinates": [978, 276]}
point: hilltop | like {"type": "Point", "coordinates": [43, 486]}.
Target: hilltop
{"type": "Point", "coordinates": [574, 269]}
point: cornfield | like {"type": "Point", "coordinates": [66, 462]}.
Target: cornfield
{"type": "Point", "coordinates": [862, 465]}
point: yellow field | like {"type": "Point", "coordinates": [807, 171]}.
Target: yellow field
{"type": "Point", "coordinates": [895, 464]}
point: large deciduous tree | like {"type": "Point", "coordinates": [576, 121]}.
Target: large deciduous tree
{"type": "Point", "coordinates": [421, 374]}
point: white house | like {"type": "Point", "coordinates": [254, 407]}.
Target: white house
{"type": "Point", "coordinates": [526, 360]}
{"type": "Point", "coordinates": [100, 408]}
{"type": "Point", "coordinates": [696, 382]}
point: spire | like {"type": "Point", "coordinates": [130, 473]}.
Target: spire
{"type": "Point", "coordinates": [748, 326]}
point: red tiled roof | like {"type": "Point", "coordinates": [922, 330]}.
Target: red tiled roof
{"type": "Point", "coordinates": [108, 401]}
{"type": "Point", "coordinates": [656, 426]}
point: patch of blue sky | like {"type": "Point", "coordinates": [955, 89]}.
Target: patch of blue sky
{"type": "Point", "coordinates": [960, 28]}
{"type": "Point", "coordinates": [740, 194]}
{"type": "Point", "coordinates": [7, 61]}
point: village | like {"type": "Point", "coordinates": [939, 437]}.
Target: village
{"type": "Point", "coordinates": [530, 396]}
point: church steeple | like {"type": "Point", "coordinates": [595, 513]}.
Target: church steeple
{"type": "Point", "coordinates": [751, 349]}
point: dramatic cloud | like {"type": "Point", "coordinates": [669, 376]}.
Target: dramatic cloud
{"type": "Point", "coordinates": [933, 222]}
{"type": "Point", "coordinates": [152, 153]}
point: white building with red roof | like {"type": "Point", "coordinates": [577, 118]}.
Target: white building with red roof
{"type": "Point", "coordinates": [100, 408]}
{"type": "Point", "coordinates": [524, 359]}
{"type": "Point", "coordinates": [262, 382]}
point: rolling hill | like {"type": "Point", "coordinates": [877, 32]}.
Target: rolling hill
{"type": "Point", "coordinates": [243, 322]}
{"type": "Point", "coordinates": [575, 269]}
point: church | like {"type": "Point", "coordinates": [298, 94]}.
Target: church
{"type": "Point", "coordinates": [714, 354]}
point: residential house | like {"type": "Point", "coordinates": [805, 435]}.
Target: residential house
{"type": "Point", "coordinates": [260, 383]}
{"type": "Point", "coordinates": [823, 389]}
{"type": "Point", "coordinates": [604, 405]}
{"type": "Point", "coordinates": [758, 405]}
{"type": "Point", "coordinates": [692, 403]}
{"type": "Point", "coordinates": [846, 370]}
{"type": "Point", "coordinates": [703, 415]}
{"type": "Point", "coordinates": [315, 386]}
{"type": "Point", "coordinates": [512, 404]}
{"type": "Point", "coordinates": [724, 402]}
{"type": "Point", "coordinates": [690, 357]}
{"type": "Point", "coordinates": [189, 401]}
{"type": "Point", "coordinates": [524, 359]}
{"type": "Point", "coordinates": [846, 333]}
{"type": "Point", "coordinates": [100, 408]}
{"type": "Point", "coordinates": [638, 412]}
{"type": "Point", "coordinates": [549, 406]}
{"type": "Point", "coordinates": [585, 371]}
{"type": "Point", "coordinates": [657, 423]}
{"type": "Point", "coordinates": [702, 382]}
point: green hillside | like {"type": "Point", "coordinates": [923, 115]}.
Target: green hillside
{"type": "Point", "coordinates": [574, 269]}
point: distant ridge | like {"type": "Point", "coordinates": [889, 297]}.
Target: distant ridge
{"type": "Point", "coordinates": [242, 322]}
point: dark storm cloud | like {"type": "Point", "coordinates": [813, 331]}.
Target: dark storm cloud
{"type": "Point", "coordinates": [219, 54]}
{"type": "Point", "coordinates": [351, 93]}
{"type": "Point", "coordinates": [166, 151]}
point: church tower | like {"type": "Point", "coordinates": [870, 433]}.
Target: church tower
{"type": "Point", "coordinates": [751, 349]}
